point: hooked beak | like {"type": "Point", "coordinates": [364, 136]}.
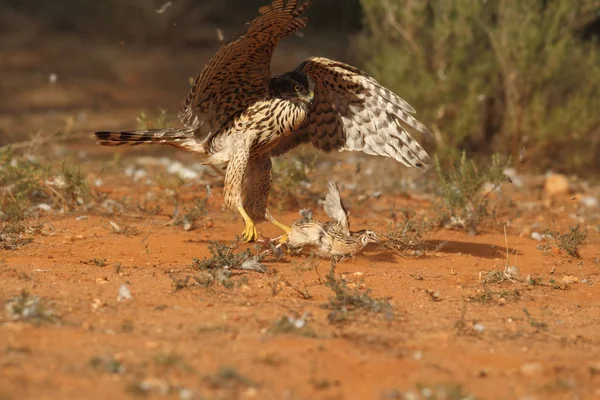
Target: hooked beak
{"type": "Point", "coordinates": [310, 97]}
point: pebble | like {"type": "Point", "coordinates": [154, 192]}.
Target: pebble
{"type": "Point", "coordinates": [537, 236]}
{"type": "Point", "coordinates": [251, 393]}
{"type": "Point", "coordinates": [186, 394]}
{"type": "Point", "coordinates": [531, 369]}
{"type": "Point", "coordinates": [512, 271]}
{"type": "Point", "coordinates": [595, 368]}
{"type": "Point", "coordinates": [589, 201]}
{"type": "Point", "coordinates": [159, 386]}
{"type": "Point", "coordinates": [44, 207]}
{"type": "Point", "coordinates": [124, 293]}
{"type": "Point", "coordinates": [556, 184]}
{"type": "Point", "coordinates": [568, 279]}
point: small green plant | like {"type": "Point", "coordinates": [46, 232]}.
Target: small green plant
{"type": "Point", "coordinates": [26, 307]}
{"type": "Point", "coordinates": [205, 329]}
{"type": "Point", "coordinates": [223, 256]}
{"type": "Point", "coordinates": [180, 282]}
{"type": "Point", "coordinates": [345, 299]}
{"type": "Point", "coordinates": [146, 120]}
{"type": "Point", "coordinates": [487, 296]}
{"type": "Point", "coordinates": [535, 323]}
{"type": "Point", "coordinates": [558, 385]}
{"type": "Point", "coordinates": [292, 175]}
{"type": "Point", "coordinates": [99, 262]}
{"type": "Point", "coordinates": [495, 277]}
{"type": "Point", "coordinates": [407, 237]}
{"type": "Point", "coordinates": [305, 264]}
{"type": "Point", "coordinates": [293, 324]}
{"type": "Point", "coordinates": [21, 182]}
{"type": "Point", "coordinates": [322, 383]}
{"type": "Point", "coordinates": [11, 235]}
{"type": "Point", "coordinates": [534, 280]}
{"type": "Point", "coordinates": [303, 291]}
{"type": "Point", "coordinates": [462, 193]}
{"type": "Point", "coordinates": [569, 242]}
{"type": "Point", "coordinates": [25, 183]}
{"type": "Point", "coordinates": [189, 216]}
{"type": "Point", "coordinates": [75, 188]}
{"type": "Point", "coordinates": [170, 359]}
{"type": "Point", "coordinates": [449, 391]}
{"type": "Point", "coordinates": [107, 364]}
{"type": "Point", "coordinates": [229, 378]}
{"type": "Point", "coordinates": [127, 326]}
{"type": "Point", "coordinates": [218, 268]}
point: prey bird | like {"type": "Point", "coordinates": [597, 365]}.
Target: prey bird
{"type": "Point", "coordinates": [237, 113]}
{"type": "Point", "coordinates": [331, 239]}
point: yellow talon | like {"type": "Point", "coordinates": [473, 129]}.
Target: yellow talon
{"type": "Point", "coordinates": [249, 234]}
{"type": "Point", "coordinates": [278, 224]}
{"type": "Point", "coordinates": [282, 239]}
{"type": "Point", "coordinates": [281, 226]}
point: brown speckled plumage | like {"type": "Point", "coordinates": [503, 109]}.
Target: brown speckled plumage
{"type": "Point", "coordinates": [353, 112]}
{"type": "Point", "coordinates": [236, 113]}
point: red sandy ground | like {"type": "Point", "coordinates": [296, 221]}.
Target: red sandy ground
{"type": "Point", "coordinates": [171, 340]}
{"type": "Point", "coordinates": [174, 342]}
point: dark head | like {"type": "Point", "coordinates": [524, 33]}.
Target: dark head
{"type": "Point", "coordinates": [306, 214]}
{"type": "Point", "coordinates": [295, 85]}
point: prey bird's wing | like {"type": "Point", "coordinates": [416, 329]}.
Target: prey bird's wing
{"type": "Point", "coordinates": [352, 111]}
{"type": "Point", "coordinates": [334, 207]}
{"type": "Point", "coordinates": [239, 74]}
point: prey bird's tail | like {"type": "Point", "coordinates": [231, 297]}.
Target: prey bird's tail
{"type": "Point", "coordinates": [181, 138]}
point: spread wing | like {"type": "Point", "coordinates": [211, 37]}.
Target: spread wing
{"type": "Point", "coordinates": [352, 111]}
{"type": "Point", "coordinates": [334, 207]}
{"type": "Point", "coordinates": [239, 74]}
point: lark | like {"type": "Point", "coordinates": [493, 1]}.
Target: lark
{"type": "Point", "coordinates": [329, 239]}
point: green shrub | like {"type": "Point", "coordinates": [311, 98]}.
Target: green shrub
{"type": "Point", "coordinates": [462, 194]}
{"type": "Point", "coordinates": [493, 75]}
{"type": "Point", "coordinates": [24, 183]}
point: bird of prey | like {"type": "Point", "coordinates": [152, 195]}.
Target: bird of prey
{"type": "Point", "coordinates": [237, 113]}
{"type": "Point", "coordinates": [331, 239]}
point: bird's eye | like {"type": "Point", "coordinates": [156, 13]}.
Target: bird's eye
{"type": "Point", "coordinates": [297, 88]}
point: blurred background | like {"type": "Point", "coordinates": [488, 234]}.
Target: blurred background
{"type": "Point", "coordinates": [519, 78]}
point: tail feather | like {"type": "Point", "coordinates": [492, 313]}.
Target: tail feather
{"type": "Point", "coordinates": [174, 137]}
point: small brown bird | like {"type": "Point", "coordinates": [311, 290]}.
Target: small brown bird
{"type": "Point", "coordinates": [329, 239]}
{"type": "Point", "coordinates": [236, 113]}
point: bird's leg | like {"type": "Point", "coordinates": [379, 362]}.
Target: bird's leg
{"type": "Point", "coordinates": [249, 234]}
{"type": "Point", "coordinates": [278, 224]}
{"type": "Point", "coordinates": [235, 187]}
